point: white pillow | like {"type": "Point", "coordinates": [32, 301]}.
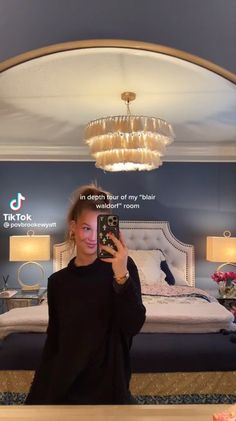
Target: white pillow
{"type": "Point", "coordinates": [178, 275]}
{"type": "Point", "coordinates": [148, 263]}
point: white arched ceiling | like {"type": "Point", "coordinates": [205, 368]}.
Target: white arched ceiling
{"type": "Point", "coordinates": [46, 100]}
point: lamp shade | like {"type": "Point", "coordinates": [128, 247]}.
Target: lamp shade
{"type": "Point", "coordinates": [221, 249]}
{"type": "Point", "coordinates": [29, 248]}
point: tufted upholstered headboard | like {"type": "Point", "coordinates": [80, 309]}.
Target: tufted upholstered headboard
{"type": "Point", "coordinates": [145, 235]}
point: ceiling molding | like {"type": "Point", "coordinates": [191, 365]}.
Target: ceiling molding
{"type": "Point", "coordinates": [174, 153]}
{"type": "Point", "coordinates": [119, 43]}
{"type": "Point", "coordinates": [197, 152]}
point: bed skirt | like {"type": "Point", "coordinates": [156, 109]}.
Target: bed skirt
{"type": "Point", "coordinates": [148, 388]}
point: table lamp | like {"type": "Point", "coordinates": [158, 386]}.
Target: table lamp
{"type": "Point", "coordinates": [29, 248]}
{"type": "Point", "coordinates": [222, 249]}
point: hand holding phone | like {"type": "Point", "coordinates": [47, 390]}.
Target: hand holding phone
{"type": "Point", "coordinates": [106, 224]}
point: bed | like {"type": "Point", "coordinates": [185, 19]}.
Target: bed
{"type": "Point", "coordinates": [174, 361]}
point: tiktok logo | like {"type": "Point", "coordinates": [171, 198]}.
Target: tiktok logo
{"type": "Point", "coordinates": [15, 204]}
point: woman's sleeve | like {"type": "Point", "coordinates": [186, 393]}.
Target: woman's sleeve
{"type": "Point", "coordinates": [129, 309]}
{"type": "Point", "coordinates": [51, 344]}
{"type": "Point", "coordinates": [41, 385]}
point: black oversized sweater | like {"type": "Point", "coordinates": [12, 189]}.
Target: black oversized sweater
{"type": "Point", "coordinates": [91, 323]}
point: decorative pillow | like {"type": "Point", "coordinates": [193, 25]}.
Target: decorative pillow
{"type": "Point", "coordinates": [148, 263]}
{"type": "Point", "coordinates": [169, 275]}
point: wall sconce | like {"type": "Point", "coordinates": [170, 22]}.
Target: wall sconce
{"type": "Point", "coordinates": [222, 249]}
{"type": "Point", "coordinates": [29, 247]}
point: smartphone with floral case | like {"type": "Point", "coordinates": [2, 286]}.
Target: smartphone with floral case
{"type": "Point", "coordinates": [105, 224]}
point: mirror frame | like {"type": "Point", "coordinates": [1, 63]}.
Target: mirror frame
{"type": "Point", "coordinates": [116, 43]}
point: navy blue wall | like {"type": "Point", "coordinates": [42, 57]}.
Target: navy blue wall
{"type": "Point", "coordinates": [198, 199]}
{"type": "Point", "coordinates": [205, 28]}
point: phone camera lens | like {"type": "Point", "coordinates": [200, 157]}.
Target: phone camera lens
{"type": "Point", "coordinates": [112, 220]}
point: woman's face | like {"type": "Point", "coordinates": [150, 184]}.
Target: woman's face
{"type": "Point", "coordinates": [85, 231]}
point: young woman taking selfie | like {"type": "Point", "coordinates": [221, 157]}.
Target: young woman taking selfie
{"type": "Point", "coordinates": [95, 308]}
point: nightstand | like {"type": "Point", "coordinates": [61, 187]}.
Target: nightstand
{"type": "Point", "coordinates": [23, 299]}
{"type": "Point", "coordinates": [230, 304]}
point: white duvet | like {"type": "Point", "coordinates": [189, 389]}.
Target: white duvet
{"type": "Point", "coordinates": [187, 318]}
{"type": "Point", "coordinates": [164, 313]}
{"type": "Point", "coordinates": [24, 319]}
{"type": "Point", "coordinates": [183, 309]}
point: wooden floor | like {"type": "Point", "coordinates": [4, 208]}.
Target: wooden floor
{"type": "Point", "coordinates": [111, 413]}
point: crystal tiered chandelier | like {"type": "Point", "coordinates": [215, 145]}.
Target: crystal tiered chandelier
{"type": "Point", "coordinates": [128, 142]}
